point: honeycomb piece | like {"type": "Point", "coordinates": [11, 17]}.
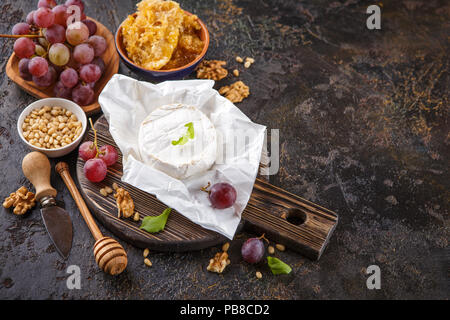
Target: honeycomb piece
{"type": "Point", "coordinates": [151, 37]}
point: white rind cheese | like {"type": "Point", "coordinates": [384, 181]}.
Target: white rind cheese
{"type": "Point", "coordinates": [168, 123]}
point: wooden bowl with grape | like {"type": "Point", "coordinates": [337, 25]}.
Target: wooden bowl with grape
{"type": "Point", "coordinates": [110, 57]}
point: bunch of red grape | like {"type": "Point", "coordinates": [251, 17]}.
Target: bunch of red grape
{"type": "Point", "coordinates": [97, 160]}
{"type": "Point", "coordinates": [68, 55]}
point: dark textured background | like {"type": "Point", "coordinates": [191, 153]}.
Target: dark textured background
{"type": "Point", "coordinates": [364, 122]}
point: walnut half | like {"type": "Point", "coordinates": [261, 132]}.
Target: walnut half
{"type": "Point", "coordinates": [125, 204]}
{"type": "Point", "coordinates": [212, 69]}
{"type": "Point", "coordinates": [22, 200]}
{"type": "Point", "coordinates": [218, 263]}
{"type": "Point", "coordinates": [235, 92]}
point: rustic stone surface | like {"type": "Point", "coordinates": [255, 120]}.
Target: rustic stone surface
{"type": "Point", "coordinates": [364, 131]}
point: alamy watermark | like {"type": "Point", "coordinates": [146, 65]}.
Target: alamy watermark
{"type": "Point", "coordinates": [374, 20]}
{"type": "Point", "coordinates": [74, 280]}
{"type": "Point", "coordinates": [374, 280]}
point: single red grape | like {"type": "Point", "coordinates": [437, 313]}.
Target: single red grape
{"type": "Point", "coordinates": [55, 34]}
{"type": "Point", "coordinates": [83, 53]}
{"type": "Point", "coordinates": [99, 63]}
{"type": "Point", "coordinates": [108, 154]}
{"type": "Point", "coordinates": [30, 17]}
{"type": "Point", "coordinates": [253, 250]}
{"type": "Point", "coordinates": [61, 15]}
{"type": "Point", "coordinates": [23, 69]}
{"type": "Point", "coordinates": [47, 79]}
{"type": "Point", "coordinates": [92, 26]}
{"type": "Point", "coordinates": [38, 66]}
{"type": "Point", "coordinates": [99, 45]}
{"type": "Point", "coordinates": [87, 150]}
{"type": "Point", "coordinates": [21, 28]}
{"type": "Point", "coordinates": [44, 17]}
{"type": "Point", "coordinates": [83, 95]}
{"type": "Point", "coordinates": [95, 170]}
{"type": "Point", "coordinates": [69, 77]}
{"type": "Point", "coordinates": [222, 195]}
{"type": "Point", "coordinates": [60, 91]}
{"type": "Point", "coordinates": [90, 73]}
{"type": "Point", "coordinates": [24, 47]}
{"type": "Point", "coordinates": [46, 4]}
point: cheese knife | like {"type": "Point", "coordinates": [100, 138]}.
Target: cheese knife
{"type": "Point", "coordinates": [36, 167]}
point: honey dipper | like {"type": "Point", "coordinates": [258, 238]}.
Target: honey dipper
{"type": "Point", "coordinates": [109, 254]}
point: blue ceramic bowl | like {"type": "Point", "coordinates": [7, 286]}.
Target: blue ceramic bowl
{"type": "Point", "coordinates": [162, 75]}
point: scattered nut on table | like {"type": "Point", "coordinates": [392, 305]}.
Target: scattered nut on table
{"type": "Point", "coordinates": [51, 127]}
{"type": "Point", "coordinates": [108, 190]}
{"type": "Point", "coordinates": [125, 204]}
{"type": "Point", "coordinates": [236, 72]}
{"type": "Point", "coordinates": [239, 59]}
{"type": "Point", "coordinates": [219, 262]}
{"type": "Point", "coordinates": [235, 92]}
{"type": "Point", "coordinates": [103, 192]}
{"type": "Point", "coordinates": [136, 216]}
{"type": "Point", "coordinates": [225, 247]}
{"type": "Point", "coordinates": [258, 274]}
{"type": "Point", "coordinates": [22, 200]}
{"type": "Point", "coordinates": [271, 250]}
{"type": "Point", "coordinates": [115, 186]}
{"type": "Point", "coordinates": [212, 69]}
{"type": "Point", "coordinates": [147, 262]}
{"type": "Point", "coordinates": [146, 252]}
{"type": "Point", "coordinates": [280, 247]}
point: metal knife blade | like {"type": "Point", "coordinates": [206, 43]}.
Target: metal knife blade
{"type": "Point", "coordinates": [59, 227]}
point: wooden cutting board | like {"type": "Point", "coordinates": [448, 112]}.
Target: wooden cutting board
{"type": "Point", "coordinates": [284, 217]}
{"type": "Point", "coordinates": [111, 58]}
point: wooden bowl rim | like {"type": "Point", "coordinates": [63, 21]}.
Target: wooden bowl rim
{"type": "Point", "coordinates": [123, 55]}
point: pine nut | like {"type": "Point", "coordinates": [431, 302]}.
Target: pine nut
{"type": "Point", "coordinates": [225, 247]}
{"type": "Point", "coordinates": [147, 262]}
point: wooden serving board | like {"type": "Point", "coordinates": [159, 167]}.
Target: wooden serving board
{"type": "Point", "coordinates": [110, 57]}
{"type": "Point", "coordinates": [284, 217]}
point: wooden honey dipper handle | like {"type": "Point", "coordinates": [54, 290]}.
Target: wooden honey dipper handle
{"type": "Point", "coordinates": [63, 169]}
{"type": "Point", "coordinates": [109, 254]}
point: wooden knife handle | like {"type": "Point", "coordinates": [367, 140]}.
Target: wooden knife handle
{"type": "Point", "coordinates": [63, 169]}
{"type": "Point", "coordinates": [36, 167]}
{"type": "Point", "coordinates": [289, 219]}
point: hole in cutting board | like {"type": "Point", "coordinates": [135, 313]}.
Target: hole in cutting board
{"type": "Point", "coordinates": [296, 216]}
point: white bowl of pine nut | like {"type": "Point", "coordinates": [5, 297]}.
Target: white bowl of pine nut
{"type": "Point", "coordinates": [53, 126]}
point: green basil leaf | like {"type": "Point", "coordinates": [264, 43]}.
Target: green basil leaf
{"type": "Point", "coordinates": [190, 134]}
{"type": "Point", "coordinates": [181, 141]}
{"type": "Point", "coordinates": [277, 266]}
{"type": "Point", "coordinates": [155, 224]}
{"type": "Point", "coordinates": [190, 130]}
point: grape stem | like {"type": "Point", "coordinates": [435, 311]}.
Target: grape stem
{"type": "Point", "coordinates": [205, 189]}
{"type": "Point", "coordinates": [264, 238]}
{"type": "Point", "coordinates": [95, 138]}
{"type": "Point", "coordinates": [14, 36]}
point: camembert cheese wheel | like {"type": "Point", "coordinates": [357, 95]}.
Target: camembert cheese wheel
{"type": "Point", "coordinates": [178, 140]}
